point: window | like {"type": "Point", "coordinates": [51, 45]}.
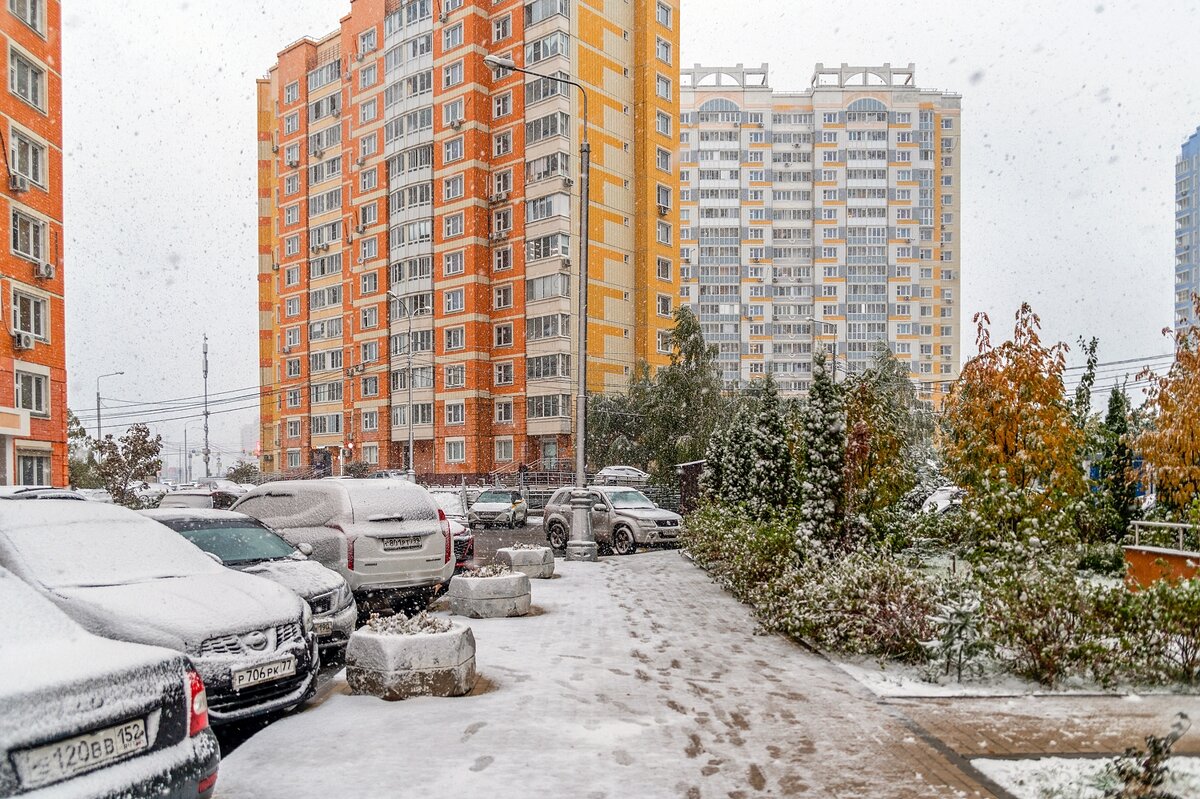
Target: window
{"type": "Point", "coordinates": [662, 123]}
{"type": "Point", "coordinates": [26, 79]}
{"type": "Point", "coordinates": [455, 338]}
{"type": "Point", "coordinates": [662, 14]}
{"type": "Point", "coordinates": [453, 301]}
{"type": "Point", "coordinates": [502, 105]}
{"type": "Point", "coordinates": [549, 406]}
{"type": "Point", "coordinates": [28, 236]}
{"type": "Point", "coordinates": [556, 44]}
{"type": "Point", "coordinates": [545, 207]}
{"type": "Point", "coordinates": [452, 263]}
{"type": "Point", "coordinates": [291, 184]}
{"type": "Point", "coordinates": [503, 335]}
{"type": "Point", "coordinates": [456, 413]}
{"type": "Point", "coordinates": [664, 269]}
{"type": "Point", "coordinates": [502, 259]}
{"type": "Point", "coordinates": [453, 225]}
{"type": "Point", "coordinates": [453, 150]}
{"type": "Point", "coordinates": [293, 458]}
{"type": "Point", "coordinates": [33, 393]}
{"type": "Point", "coordinates": [662, 49]}
{"type": "Point", "coordinates": [664, 232]}
{"type": "Point", "coordinates": [501, 29]}
{"type": "Point", "coordinates": [452, 37]}
{"type": "Point", "coordinates": [538, 10]}
{"type": "Point", "coordinates": [291, 276]}
{"type": "Point", "coordinates": [370, 420]}
{"type": "Point", "coordinates": [504, 374]}
{"type": "Point", "coordinates": [664, 341]}
{"type": "Point", "coordinates": [327, 424]}
{"type": "Point", "coordinates": [33, 469]}
{"type": "Point", "coordinates": [292, 367]}
{"type": "Point", "coordinates": [291, 123]}
{"type": "Point", "coordinates": [662, 87]}
{"type": "Point", "coordinates": [370, 386]}
{"type": "Point", "coordinates": [504, 411]}
{"type": "Point", "coordinates": [662, 159]}
{"type": "Point", "coordinates": [555, 124]}
{"type": "Point", "coordinates": [291, 306]}
{"type": "Point", "coordinates": [28, 11]}
{"type": "Point", "coordinates": [293, 425]}
{"type": "Point", "coordinates": [502, 297]}
{"type": "Point", "coordinates": [291, 92]}
{"type": "Point", "coordinates": [369, 284]}
{"type": "Point", "coordinates": [370, 318]}
{"type": "Point", "coordinates": [31, 315]}
{"type": "Point", "coordinates": [368, 41]}
{"type": "Point", "coordinates": [368, 180]}
{"type": "Point", "coordinates": [456, 376]}
{"type": "Point", "coordinates": [456, 450]}
{"type": "Point", "coordinates": [664, 305]}
{"type": "Point", "coordinates": [452, 75]}
{"type": "Point", "coordinates": [504, 450]}
{"type": "Point", "coordinates": [368, 110]}
{"type": "Point", "coordinates": [368, 77]}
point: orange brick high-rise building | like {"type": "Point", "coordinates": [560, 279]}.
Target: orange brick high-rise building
{"type": "Point", "coordinates": [419, 234]}
{"type": "Point", "coordinates": [33, 405]}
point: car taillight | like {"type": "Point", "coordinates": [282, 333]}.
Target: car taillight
{"type": "Point", "coordinates": [197, 704]}
{"type": "Point", "coordinates": [350, 539]}
{"type": "Point", "coordinates": [445, 523]}
{"type": "Point", "coordinates": [207, 783]}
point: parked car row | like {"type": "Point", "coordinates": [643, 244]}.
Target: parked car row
{"type": "Point", "coordinates": [132, 632]}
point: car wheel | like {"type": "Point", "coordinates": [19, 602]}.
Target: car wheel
{"type": "Point", "coordinates": [558, 536]}
{"type": "Point", "coordinates": [622, 541]}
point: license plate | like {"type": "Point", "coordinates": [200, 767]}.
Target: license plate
{"type": "Point", "coordinates": [58, 761]}
{"type": "Point", "coordinates": [324, 627]}
{"type": "Point", "coordinates": [402, 542]}
{"type": "Point", "coordinates": [264, 672]}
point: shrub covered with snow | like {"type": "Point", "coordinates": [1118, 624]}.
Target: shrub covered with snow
{"type": "Point", "coordinates": [866, 602]}
{"type": "Point", "coordinates": [742, 554]}
{"type": "Point", "coordinates": [490, 570]}
{"type": "Point", "coordinates": [420, 624]}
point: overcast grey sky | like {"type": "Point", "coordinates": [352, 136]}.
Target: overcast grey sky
{"type": "Point", "coordinates": [1072, 117]}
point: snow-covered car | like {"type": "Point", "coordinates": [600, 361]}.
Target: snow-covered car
{"type": "Point", "coordinates": [388, 538]}
{"type": "Point", "coordinates": [126, 577]}
{"type": "Point", "coordinates": [453, 503]}
{"type": "Point", "coordinates": [200, 498]}
{"type": "Point", "coordinates": [622, 519]}
{"type": "Point", "coordinates": [498, 507]}
{"type": "Point", "coordinates": [248, 545]}
{"type": "Point", "coordinates": [95, 717]}
{"type": "Point", "coordinates": [622, 474]}
{"type": "Point", "coordinates": [43, 493]}
{"type": "Point", "coordinates": [943, 500]}
{"type": "Point", "coordinates": [220, 484]}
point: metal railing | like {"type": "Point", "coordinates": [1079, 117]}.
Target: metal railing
{"type": "Point", "coordinates": [1156, 533]}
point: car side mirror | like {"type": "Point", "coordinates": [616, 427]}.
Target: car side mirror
{"type": "Point", "coordinates": [600, 507]}
{"type": "Point", "coordinates": [216, 558]}
{"type": "Point", "coordinates": [304, 548]}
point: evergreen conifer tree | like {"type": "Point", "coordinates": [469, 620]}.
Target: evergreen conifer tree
{"type": "Point", "coordinates": [773, 481]}
{"type": "Point", "coordinates": [823, 452]}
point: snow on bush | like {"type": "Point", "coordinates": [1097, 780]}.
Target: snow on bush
{"type": "Point", "coordinates": [490, 570]}
{"type": "Point", "coordinates": [420, 624]}
{"type": "Point", "coordinates": [523, 546]}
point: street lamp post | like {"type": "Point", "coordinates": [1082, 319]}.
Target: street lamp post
{"type": "Point", "coordinates": [99, 424]}
{"type": "Point", "coordinates": [582, 545]}
{"type": "Point", "coordinates": [412, 472]}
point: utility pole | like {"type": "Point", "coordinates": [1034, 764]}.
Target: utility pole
{"type": "Point", "coordinates": [206, 470]}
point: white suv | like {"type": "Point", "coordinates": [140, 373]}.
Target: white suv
{"type": "Point", "coordinates": [388, 538]}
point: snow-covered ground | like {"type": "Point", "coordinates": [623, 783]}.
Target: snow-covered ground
{"type": "Point", "coordinates": [1078, 777]}
{"type": "Point", "coordinates": [634, 677]}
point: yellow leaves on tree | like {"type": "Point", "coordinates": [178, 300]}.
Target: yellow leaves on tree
{"type": "Point", "coordinates": [1009, 436]}
{"type": "Point", "coordinates": [1171, 447]}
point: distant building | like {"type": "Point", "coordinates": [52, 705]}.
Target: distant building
{"type": "Point", "coordinates": [822, 218]}
{"type": "Point", "coordinates": [33, 381]}
{"type": "Point", "coordinates": [1187, 231]}
{"type": "Point", "coordinates": [392, 159]}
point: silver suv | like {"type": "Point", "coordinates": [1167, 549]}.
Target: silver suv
{"type": "Point", "coordinates": [622, 520]}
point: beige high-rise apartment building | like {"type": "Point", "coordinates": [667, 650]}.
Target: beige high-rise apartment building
{"type": "Point", "coordinates": [825, 217]}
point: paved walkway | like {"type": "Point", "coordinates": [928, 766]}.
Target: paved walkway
{"type": "Point", "coordinates": [638, 677]}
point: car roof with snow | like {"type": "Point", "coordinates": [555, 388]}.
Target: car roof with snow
{"type": "Point", "coordinates": [196, 513]}
{"type": "Point", "coordinates": [308, 503]}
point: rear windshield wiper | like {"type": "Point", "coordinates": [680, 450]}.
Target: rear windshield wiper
{"type": "Point", "coordinates": [386, 517]}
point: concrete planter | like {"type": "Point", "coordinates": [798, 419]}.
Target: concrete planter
{"type": "Point", "coordinates": [490, 597]}
{"type": "Point", "coordinates": [399, 666]}
{"type": "Point", "coordinates": [537, 563]}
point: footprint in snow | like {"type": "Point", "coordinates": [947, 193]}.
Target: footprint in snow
{"type": "Point", "coordinates": [482, 762]}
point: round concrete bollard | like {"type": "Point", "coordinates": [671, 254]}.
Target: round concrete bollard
{"type": "Point", "coordinates": [537, 562]}
{"type": "Point", "coordinates": [490, 597]}
{"type": "Point", "coordinates": [398, 666]}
